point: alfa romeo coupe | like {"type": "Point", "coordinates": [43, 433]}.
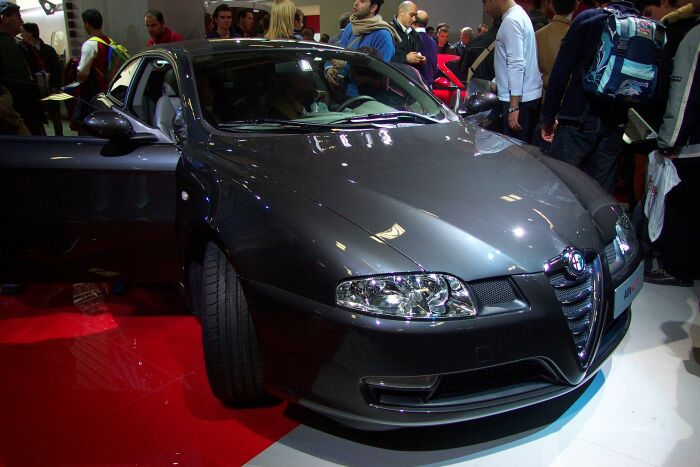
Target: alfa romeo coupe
{"type": "Point", "coordinates": [353, 246]}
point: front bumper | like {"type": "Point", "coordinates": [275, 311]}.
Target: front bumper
{"type": "Point", "coordinates": [329, 359]}
{"type": "Point", "coordinates": [510, 398]}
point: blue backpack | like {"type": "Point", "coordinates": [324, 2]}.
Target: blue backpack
{"type": "Point", "coordinates": [625, 67]}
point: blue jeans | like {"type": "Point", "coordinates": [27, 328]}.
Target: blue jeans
{"type": "Point", "coordinates": [592, 145]}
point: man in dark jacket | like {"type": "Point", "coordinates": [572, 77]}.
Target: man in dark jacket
{"type": "Point", "coordinates": [428, 48]}
{"type": "Point", "coordinates": [465, 37]}
{"type": "Point", "coordinates": [679, 138]}
{"type": "Point", "coordinates": [43, 58]}
{"type": "Point", "coordinates": [589, 133]}
{"type": "Point", "coordinates": [485, 70]}
{"type": "Point", "coordinates": [245, 23]}
{"type": "Point", "coordinates": [15, 74]}
{"type": "Point", "coordinates": [408, 50]}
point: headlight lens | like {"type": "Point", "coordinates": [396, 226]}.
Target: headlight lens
{"type": "Point", "coordinates": [408, 296]}
{"type": "Point", "coordinates": [625, 240]}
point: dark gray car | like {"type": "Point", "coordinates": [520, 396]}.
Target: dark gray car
{"type": "Point", "coordinates": [353, 247]}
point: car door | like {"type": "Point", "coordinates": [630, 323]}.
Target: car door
{"type": "Point", "coordinates": [80, 208]}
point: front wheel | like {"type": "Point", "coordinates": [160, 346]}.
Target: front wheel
{"type": "Point", "coordinates": [231, 349]}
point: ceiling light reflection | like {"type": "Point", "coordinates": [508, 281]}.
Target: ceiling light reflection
{"type": "Point", "coordinates": [393, 232]}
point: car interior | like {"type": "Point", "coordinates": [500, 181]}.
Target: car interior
{"type": "Point", "coordinates": [246, 90]}
{"type": "Point", "coordinates": [156, 96]}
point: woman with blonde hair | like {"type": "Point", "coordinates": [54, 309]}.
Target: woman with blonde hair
{"type": "Point", "coordinates": [281, 20]}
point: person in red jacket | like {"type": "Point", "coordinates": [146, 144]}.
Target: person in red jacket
{"type": "Point", "coordinates": [159, 32]}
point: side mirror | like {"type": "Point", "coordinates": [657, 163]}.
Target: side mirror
{"type": "Point", "coordinates": [108, 125]}
{"type": "Point", "coordinates": [481, 102]}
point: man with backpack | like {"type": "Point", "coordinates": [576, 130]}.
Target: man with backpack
{"type": "Point", "coordinates": [100, 58]}
{"type": "Point", "coordinates": [591, 89]}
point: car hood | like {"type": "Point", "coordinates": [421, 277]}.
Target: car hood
{"type": "Point", "coordinates": [451, 197]}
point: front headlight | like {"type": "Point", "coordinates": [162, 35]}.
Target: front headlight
{"type": "Point", "coordinates": [407, 296]}
{"type": "Point", "coordinates": [625, 241]}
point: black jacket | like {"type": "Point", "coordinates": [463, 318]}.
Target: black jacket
{"type": "Point", "coordinates": [44, 59]}
{"type": "Point", "coordinates": [409, 43]}
{"type": "Point", "coordinates": [486, 70]}
{"type": "Point", "coordinates": [15, 75]}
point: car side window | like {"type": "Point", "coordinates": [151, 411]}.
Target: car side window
{"type": "Point", "coordinates": [156, 97]}
{"type": "Point", "coordinates": [121, 82]}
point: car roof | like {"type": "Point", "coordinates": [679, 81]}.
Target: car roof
{"type": "Point", "coordinates": [201, 47]}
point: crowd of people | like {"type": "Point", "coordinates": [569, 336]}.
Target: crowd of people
{"type": "Point", "coordinates": [284, 21]}
{"type": "Point", "coordinates": [536, 62]}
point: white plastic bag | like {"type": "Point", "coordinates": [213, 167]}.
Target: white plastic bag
{"type": "Point", "coordinates": [662, 178]}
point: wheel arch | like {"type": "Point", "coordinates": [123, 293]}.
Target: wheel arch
{"type": "Point", "coordinates": [197, 237]}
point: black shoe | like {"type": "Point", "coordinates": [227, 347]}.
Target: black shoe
{"type": "Point", "coordinates": [661, 277]}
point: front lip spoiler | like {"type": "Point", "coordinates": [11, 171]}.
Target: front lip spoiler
{"type": "Point", "coordinates": [609, 342]}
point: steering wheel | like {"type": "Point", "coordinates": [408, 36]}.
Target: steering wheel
{"type": "Point", "coordinates": [354, 100]}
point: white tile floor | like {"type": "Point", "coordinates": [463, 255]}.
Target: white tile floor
{"type": "Point", "coordinates": [642, 409]}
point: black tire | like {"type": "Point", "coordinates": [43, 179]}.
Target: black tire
{"type": "Point", "coordinates": [231, 349]}
{"type": "Point", "coordinates": [194, 282]}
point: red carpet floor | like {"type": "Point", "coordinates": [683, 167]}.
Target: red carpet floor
{"type": "Point", "coordinates": [92, 378]}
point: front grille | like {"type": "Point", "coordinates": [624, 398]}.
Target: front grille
{"type": "Point", "coordinates": [577, 297]}
{"type": "Point", "coordinates": [493, 291]}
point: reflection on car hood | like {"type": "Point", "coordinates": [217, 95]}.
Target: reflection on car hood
{"type": "Point", "coordinates": [451, 197]}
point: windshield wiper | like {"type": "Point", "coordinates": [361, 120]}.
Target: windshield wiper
{"type": "Point", "coordinates": [281, 124]}
{"type": "Point", "coordinates": [389, 117]}
{"type": "Point", "coordinates": [286, 125]}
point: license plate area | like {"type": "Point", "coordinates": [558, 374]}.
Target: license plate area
{"type": "Point", "coordinates": [628, 290]}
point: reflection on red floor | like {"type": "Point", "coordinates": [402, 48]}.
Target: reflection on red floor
{"type": "Point", "coordinates": [92, 378]}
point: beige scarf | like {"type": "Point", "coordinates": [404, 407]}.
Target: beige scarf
{"type": "Point", "coordinates": [361, 27]}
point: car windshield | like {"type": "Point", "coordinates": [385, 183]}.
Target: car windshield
{"type": "Point", "coordinates": [291, 89]}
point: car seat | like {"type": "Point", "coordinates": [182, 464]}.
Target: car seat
{"type": "Point", "coordinates": [168, 104]}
